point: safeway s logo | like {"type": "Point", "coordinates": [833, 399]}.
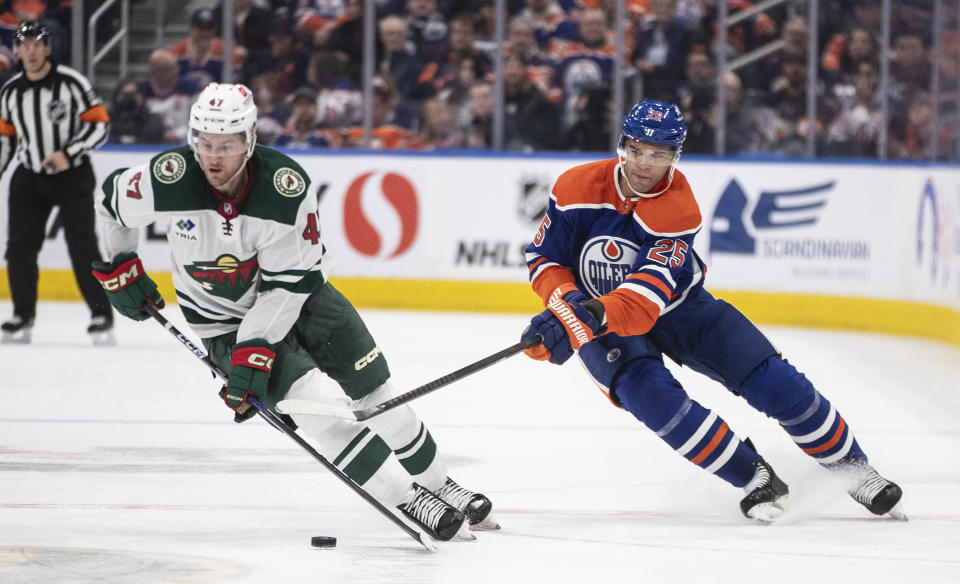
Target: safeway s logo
{"type": "Point", "coordinates": [774, 210]}
{"type": "Point", "coordinates": [604, 263]}
{"type": "Point", "coordinates": [397, 222]}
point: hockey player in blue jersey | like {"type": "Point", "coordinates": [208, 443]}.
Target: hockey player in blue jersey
{"type": "Point", "coordinates": [614, 263]}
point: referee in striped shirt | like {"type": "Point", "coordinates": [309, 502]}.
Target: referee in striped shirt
{"type": "Point", "coordinates": [50, 118]}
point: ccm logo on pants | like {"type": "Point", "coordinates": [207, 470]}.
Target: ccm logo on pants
{"type": "Point", "coordinates": [367, 359]}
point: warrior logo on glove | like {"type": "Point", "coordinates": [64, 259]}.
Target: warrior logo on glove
{"type": "Point", "coordinates": [579, 335]}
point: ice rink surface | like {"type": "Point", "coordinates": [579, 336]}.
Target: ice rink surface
{"type": "Point", "coordinates": [120, 465]}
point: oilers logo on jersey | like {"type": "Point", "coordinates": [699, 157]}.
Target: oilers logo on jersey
{"type": "Point", "coordinates": [605, 262]}
{"type": "Point", "coordinates": [227, 276]}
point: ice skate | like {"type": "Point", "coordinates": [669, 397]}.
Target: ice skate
{"type": "Point", "coordinates": [101, 331]}
{"type": "Point", "coordinates": [879, 495]}
{"type": "Point", "coordinates": [439, 519]}
{"type": "Point", "coordinates": [475, 506]}
{"type": "Point", "coordinates": [16, 330]}
{"type": "Point", "coordinates": [764, 493]}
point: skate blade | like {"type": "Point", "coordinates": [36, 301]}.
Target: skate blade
{"type": "Point", "coordinates": [463, 534]}
{"type": "Point", "coordinates": [488, 524]}
{"type": "Point", "coordinates": [766, 513]}
{"type": "Point", "coordinates": [103, 339]}
{"type": "Point", "coordinates": [17, 338]}
{"type": "Point", "coordinates": [897, 513]}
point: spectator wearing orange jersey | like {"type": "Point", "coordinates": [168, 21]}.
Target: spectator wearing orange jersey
{"type": "Point", "coordinates": [389, 131]}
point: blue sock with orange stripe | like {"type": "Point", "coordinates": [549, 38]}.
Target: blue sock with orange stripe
{"type": "Point", "coordinates": [778, 390]}
{"type": "Point", "coordinates": [821, 432]}
{"type": "Point", "coordinates": [655, 398]}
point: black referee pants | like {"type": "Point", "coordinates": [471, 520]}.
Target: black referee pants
{"type": "Point", "coordinates": [32, 197]}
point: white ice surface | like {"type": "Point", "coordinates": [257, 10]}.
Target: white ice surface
{"type": "Point", "coordinates": [121, 465]}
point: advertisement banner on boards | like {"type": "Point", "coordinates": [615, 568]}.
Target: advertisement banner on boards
{"type": "Point", "coordinates": [863, 230]}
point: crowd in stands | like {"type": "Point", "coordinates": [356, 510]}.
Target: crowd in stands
{"type": "Point", "coordinates": [434, 74]}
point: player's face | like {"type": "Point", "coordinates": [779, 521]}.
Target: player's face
{"type": "Point", "coordinates": [221, 156]}
{"type": "Point", "coordinates": [33, 54]}
{"type": "Point", "coordinates": [644, 165]}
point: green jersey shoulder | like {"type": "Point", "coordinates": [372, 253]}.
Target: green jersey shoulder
{"type": "Point", "coordinates": [178, 185]}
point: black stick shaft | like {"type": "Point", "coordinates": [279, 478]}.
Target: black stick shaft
{"type": "Point", "coordinates": [280, 425]}
{"type": "Point", "coordinates": [448, 378]}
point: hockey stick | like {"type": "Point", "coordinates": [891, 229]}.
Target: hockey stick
{"type": "Point", "coordinates": [302, 406]}
{"type": "Point", "coordinates": [275, 421]}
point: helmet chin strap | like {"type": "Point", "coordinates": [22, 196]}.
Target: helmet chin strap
{"type": "Point", "coordinates": [673, 166]}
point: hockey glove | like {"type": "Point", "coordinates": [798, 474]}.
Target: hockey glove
{"type": "Point", "coordinates": [251, 363]}
{"type": "Point", "coordinates": [128, 287]}
{"type": "Point", "coordinates": [558, 345]}
{"type": "Point", "coordinates": [580, 318]}
{"type": "Point", "coordinates": [555, 346]}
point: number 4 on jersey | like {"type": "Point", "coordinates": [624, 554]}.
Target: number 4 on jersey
{"type": "Point", "coordinates": [312, 231]}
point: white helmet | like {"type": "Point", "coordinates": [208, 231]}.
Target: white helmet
{"type": "Point", "coordinates": [224, 108]}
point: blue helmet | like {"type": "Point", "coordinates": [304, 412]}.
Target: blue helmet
{"type": "Point", "coordinates": [655, 122]}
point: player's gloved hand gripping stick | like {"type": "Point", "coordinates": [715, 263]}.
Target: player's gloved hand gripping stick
{"type": "Point", "coordinates": [306, 407]}
{"type": "Point", "coordinates": [128, 286]}
{"type": "Point", "coordinates": [278, 423]}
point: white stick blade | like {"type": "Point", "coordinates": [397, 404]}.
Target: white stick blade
{"type": "Point", "coordinates": [312, 408]}
{"type": "Point", "coordinates": [428, 542]}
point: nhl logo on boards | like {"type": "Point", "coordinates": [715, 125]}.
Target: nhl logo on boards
{"type": "Point", "coordinates": [288, 182]}
{"type": "Point", "coordinates": [533, 198]}
{"type": "Point", "coordinates": [604, 263]}
{"type": "Point", "coordinates": [169, 168]}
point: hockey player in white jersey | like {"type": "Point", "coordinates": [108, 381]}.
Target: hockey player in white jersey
{"type": "Point", "coordinates": [250, 275]}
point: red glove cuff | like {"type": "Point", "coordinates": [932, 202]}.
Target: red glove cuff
{"type": "Point", "coordinates": [122, 276]}
{"type": "Point", "coordinates": [254, 357]}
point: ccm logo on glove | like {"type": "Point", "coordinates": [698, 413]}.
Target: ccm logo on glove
{"type": "Point", "coordinates": [119, 280]}
{"type": "Point", "coordinates": [256, 358]}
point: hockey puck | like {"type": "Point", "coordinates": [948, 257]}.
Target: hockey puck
{"type": "Point", "coordinates": [323, 541]}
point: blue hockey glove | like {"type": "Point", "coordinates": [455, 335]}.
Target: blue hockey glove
{"type": "Point", "coordinates": [556, 346]}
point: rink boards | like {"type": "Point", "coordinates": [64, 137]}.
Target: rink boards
{"type": "Point", "coordinates": [840, 245]}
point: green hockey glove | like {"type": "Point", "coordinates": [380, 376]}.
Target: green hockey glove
{"type": "Point", "coordinates": [251, 363]}
{"type": "Point", "coordinates": [128, 286]}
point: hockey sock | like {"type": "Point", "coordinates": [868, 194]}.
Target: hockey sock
{"type": "Point", "coordinates": [778, 390]}
{"type": "Point", "coordinates": [351, 446]}
{"type": "Point", "coordinates": [703, 438]}
{"type": "Point", "coordinates": [821, 432]}
{"type": "Point", "coordinates": [648, 391]}
{"type": "Point", "coordinates": [409, 439]}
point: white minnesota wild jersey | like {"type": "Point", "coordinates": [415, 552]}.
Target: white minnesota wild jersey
{"type": "Point", "coordinates": [249, 272]}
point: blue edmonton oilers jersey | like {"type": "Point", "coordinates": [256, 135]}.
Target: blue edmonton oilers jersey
{"type": "Point", "coordinates": [634, 254]}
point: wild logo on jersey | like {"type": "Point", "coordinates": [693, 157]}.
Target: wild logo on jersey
{"type": "Point", "coordinates": [227, 276]}
{"type": "Point", "coordinates": [604, 263]}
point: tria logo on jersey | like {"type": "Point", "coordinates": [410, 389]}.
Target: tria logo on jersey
{"type": "Point", "coordinates": [227, 276]}
{"type": "Point", "coordinates": [605, 262]}
{"type": "Point", "coordinates": [186, 229]}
